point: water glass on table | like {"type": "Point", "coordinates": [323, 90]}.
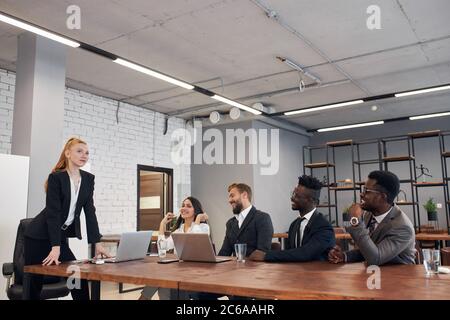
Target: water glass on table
{"type": "Point", "coordinates": [162, 248]}
{"type": "Point", "coordinates": [240, 250]}
{"type": "Point", "coordinates": [431, 260]}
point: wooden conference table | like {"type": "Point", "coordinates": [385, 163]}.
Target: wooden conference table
{"type": "Point", "coordinates": [311, 280]}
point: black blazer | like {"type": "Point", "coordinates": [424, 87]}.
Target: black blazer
{"type": "Point", "coordinates": [47, 224]}
{"type": "Point", "coordinates": [256, 231]}
{"type": "Point", "coordinates": [318, 239]}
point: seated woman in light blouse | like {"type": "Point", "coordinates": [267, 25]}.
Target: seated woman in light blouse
{"type": "Point", "coordinates": [192, 219]}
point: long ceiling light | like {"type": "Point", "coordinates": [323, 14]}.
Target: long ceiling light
{"type": "Point", "coordinates": [366, 124]}
{"type": "Point", "coordinates": [236, 104]}
{"type": "Point", "coordinates": [53, 36]}
{"type": "Point", "coordinates": [410, 93]}
{"type": "Point", "coordinates": [153, 73]}
{"type": "Point", "coordinates": [329, 106]}
{"type": "Point", "coordinates": [433, 115]}
{"type": "Point", "coordinates": [39, 31]}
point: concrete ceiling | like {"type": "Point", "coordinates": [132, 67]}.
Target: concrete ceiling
{"type": "Point", "coordinates": [230, 47]}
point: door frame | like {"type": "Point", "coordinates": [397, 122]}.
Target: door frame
{"type": "Point", "coordinates": [169, 173]}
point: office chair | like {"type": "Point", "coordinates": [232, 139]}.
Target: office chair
{"type": "Point", "coordinates": [418, 254]}
{"type": "Point", "coordinates": [275, 246]}
{"type": "Point", "coordinates": [53, 287]}
{"type": "Point", "coordinates": [445, 256]}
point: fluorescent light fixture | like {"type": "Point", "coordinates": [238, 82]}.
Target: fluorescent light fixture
{"type": "Point", "coordinates": [426, 116]}
{"type": "Point", "coordinates": [410, 93]}
{"type": "Point", "coordinates": [329, 106]}
{"type": "Point", "coordinates": [152, 73]}
{"type": "Point", "coordinates": [236, 104]}
{"type": "Point", "coordinates": [351, 126]}
{"type": "Point", "coordinates": [38, 31]}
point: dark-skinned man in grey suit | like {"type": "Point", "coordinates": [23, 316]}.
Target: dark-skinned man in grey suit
{"type": "Point", "coordinates": [382, 233]}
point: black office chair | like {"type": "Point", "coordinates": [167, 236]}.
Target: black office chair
{"type": "Point", "coordinates": [419, 257]}
{"type": "Point", "coordinates": [54, 287]}
{"type": "Point", "coordinates": [275, 246]}
{"type": "Point", "coordinates": [445, 256]}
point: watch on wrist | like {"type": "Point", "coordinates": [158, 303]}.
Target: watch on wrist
{"type": "Point", "coordinates": [354, 221]}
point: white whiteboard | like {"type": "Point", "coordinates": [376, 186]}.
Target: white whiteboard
{"type": "Point", "coordinates": [14, 172]}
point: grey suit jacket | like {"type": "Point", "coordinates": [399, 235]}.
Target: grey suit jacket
{"type": "Point", "coordinates": [392, 242]}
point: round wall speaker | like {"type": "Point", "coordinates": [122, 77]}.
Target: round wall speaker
{"type": "Point", "coordinates": [235, 113]}
{"type": "Point", "coordinates": [214, 117]}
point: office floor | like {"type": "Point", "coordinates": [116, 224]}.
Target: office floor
{"type": "Point", "coordinates": [110, 291]}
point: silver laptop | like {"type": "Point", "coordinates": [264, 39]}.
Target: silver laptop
{"type": "Point", "coordinates": [195, 247]}
{"type": "Point", "coordinates": [132, 246]}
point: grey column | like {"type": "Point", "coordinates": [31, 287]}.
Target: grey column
{"type": "Point", "coordinates": [38, 118]}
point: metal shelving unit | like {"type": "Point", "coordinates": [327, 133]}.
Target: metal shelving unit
{"type": "Point", "coordinates": [359, 163]}
{"type": "Point", "coordinates": [409, 157]}
{"type": "Point", "coordinates": [331, 147]}
{"type": "Point", "coordinates": [445, 156]}
{"type": "Point", "coordinates": [418, 185]}
{"type": "Point", "coordinates": [330, 165]}
{"type": "Point", "coordinates": [383, 159]}
{"type": "Point", "coordinates": [307, 152]}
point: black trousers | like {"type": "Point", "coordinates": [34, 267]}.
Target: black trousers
{"type": "Point", "coordinates": [35, 252]}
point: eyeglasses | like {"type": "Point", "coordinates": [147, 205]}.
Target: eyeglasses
{"type": "Point", "coordinates": [367, 190]}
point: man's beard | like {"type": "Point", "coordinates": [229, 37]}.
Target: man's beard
{"type": "Point", "coordinates": [237, 208]}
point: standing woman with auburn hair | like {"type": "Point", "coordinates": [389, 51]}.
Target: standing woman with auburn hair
{"type": "Point", "coordinates": [69, 189]}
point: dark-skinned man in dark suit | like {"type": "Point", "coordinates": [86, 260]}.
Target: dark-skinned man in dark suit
{"type": "Point", "coordinates": [310, 236]}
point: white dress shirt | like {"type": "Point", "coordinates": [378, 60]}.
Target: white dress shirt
{"type": "Point", "coordinates": [381, 217]}
{"type": "Point", "coordinates": [304, 223]}
{"type": "Point", "coordinates": [73, 201]}
{"type": "Point", "coordinates": [241, 216]}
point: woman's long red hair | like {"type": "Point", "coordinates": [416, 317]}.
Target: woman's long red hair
{"type": "Point", "coordinates": [62, 163]}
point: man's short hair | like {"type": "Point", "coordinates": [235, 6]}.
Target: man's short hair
{"type": "Point", "coordinates": [312, 184]}
{"type": "Point", "coordinates": [242, 187]}
{"type": "Point", "coordinates": [388, 181]}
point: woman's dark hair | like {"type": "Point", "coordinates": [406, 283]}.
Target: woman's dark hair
{"type": "Point", "coordinates": [197, 210]}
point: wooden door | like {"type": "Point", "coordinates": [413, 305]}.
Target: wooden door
{"type": "Point", "coordinates": [151, 200]}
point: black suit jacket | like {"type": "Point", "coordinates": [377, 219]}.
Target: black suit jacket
{"type": "Point", "coordinates": [256, 231]}
{"type": "Point", "coordinates": [318, 239]}
{"type": "Point", "coordinates": [47, 224]}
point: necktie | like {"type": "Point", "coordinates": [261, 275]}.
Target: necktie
{"type": "Point", "coordinates": [298, 238]}
{"type": "Point", "coordinates": [372, 224]}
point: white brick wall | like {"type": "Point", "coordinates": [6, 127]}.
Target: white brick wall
{"type": "Point", "coordinates": [7, 85]}
{"type": "Point", "coordinates": [115, 149]}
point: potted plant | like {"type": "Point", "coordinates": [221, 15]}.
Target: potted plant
{"type": "Point", "coordinates": [431, 207]}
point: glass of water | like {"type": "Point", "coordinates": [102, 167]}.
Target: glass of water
{"type": "Point", "coordinates": [431, 260]}
{"type": "Point", "coordinates": [162, 248]}
{"type": "Point", "coordinates": [241, 250]}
